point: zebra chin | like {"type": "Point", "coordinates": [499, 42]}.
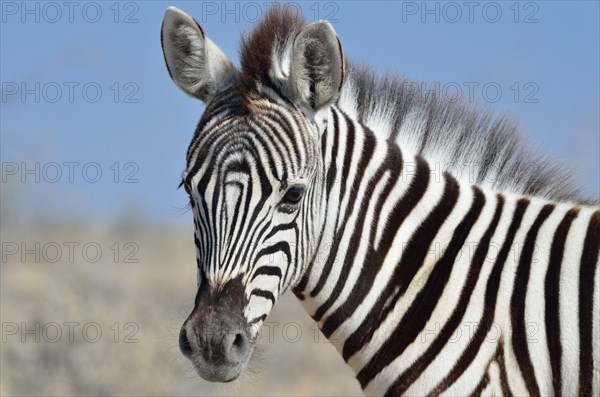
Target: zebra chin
{"type": "Point", "coordinates": [217, 373]}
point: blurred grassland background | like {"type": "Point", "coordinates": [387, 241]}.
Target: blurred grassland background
{"type": "Point", "coordinates": [148, 301]}
{"type": "Point", "coordinates": [131, 271]}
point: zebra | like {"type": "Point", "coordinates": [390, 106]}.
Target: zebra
{"type": "Point", "coordinates": [312, 174]}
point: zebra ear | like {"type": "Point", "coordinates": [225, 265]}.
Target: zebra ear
{"type": "Point", "coordinates": [194, 62]}
{"type": "Point", "coordinates": [317, 67]}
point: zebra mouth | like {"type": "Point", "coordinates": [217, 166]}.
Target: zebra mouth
{"type": "Point", "coordinates": [223, 373]}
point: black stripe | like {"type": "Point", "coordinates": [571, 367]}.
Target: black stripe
{"type": "Point", "coordinates": [363, 161]}
{"type": "Point", "coordinates": [331, 171]}
{"type": "Point", "coordinates": [551, 289]}
{"type": "Point", "coordinates": [502, 369]}
{"type": "Point", "coordinates": [257, 319]}
{"type": "Point", "coordinates": [243, 237]}
{"type": "Point", "coordinates": [517, 303]}
{"type": "Point", "coordinates": [281, 246]}
{"type": "Point", "coordinates": [295, 135]}
{"type": "Point", "coordinates": [404, 381]}
{"type": "Point", "coordinates": [375, 257]}
{"type": "Point", "coordinates": [589, 260]}
{"type": "Point", "coordinates": [280, 228]}
{"type": "Point", "coordinates": [358, 232]}
{"type": "Point", "coordinates": [401, 210]}
{"type": "Point", "coordinates": [276, 127]}
{"type": "Point", "coordinates": [424, 303]}
{"type": "Point", "coordinates": [234, 219]}
{"type": "Point", "coordinates": [263, 294]}
{"type": "Point", "coordinates": [266, 271]}
{"type": "Point", "coordinates": [224, 107]}
{"type": "Point", "coordinates": [485, 380]}
{"type": "Point", "coordinates": [491, 294]}
{"type": "Point", "coordinates": [304, 139]}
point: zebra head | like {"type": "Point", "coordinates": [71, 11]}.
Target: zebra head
{"type": "Point", "coordinates": [254, 175]}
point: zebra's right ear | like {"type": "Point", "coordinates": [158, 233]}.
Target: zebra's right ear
{"type": "Point", "coordinates": [317, 67]}
{"type": "Point", "coordinates": [194, 62]}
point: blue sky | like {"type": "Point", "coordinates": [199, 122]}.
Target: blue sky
{"type": "Point", "coordinates": [105, 101]}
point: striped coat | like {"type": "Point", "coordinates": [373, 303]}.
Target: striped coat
{"type": "Point", "coordinates": [428, 280]}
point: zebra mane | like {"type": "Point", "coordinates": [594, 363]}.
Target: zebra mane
{"type": "Point", "coordinates": [473, 144]}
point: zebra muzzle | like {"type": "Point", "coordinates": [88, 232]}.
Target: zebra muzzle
{"type": "Point", "coordinates": [216, 339]}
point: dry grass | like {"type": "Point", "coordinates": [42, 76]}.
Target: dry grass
{"type": "Point", "coordinates": [152, 298]}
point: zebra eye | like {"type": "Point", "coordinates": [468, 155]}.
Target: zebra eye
{"type": "Point", "coordinates": [293, 195]}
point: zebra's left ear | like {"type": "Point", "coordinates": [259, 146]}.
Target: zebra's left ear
{"type": "Point", "coordinates": [317, 67]}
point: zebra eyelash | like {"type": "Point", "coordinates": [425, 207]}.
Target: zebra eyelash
{"type": "Point", "coordinates": [184, 209]}
{"type": "Point", "coordinates": [190, 204]}
{"type": "Point", "coordinates": [182, 183]}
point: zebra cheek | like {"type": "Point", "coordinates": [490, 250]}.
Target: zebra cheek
{"type": "Point", "coordinates": [257, 309]}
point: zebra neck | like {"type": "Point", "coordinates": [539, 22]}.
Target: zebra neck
{"type": "Point", "coordinates": [387, 217]}
{"type": "Point", "coordinates": [407, 256]}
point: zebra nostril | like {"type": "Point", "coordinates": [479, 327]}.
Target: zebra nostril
{"type": "Point", "coordinates": [238, 341]}
{"type": "Point", "coordinates": [238, 347]}
{"type": "Point", "coordinates": [184, 343]}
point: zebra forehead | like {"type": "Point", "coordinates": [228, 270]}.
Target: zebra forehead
{"type": "Point", "coordinates": [246, 157]}
{"type": "Point", "coordinates": [270, 137]}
